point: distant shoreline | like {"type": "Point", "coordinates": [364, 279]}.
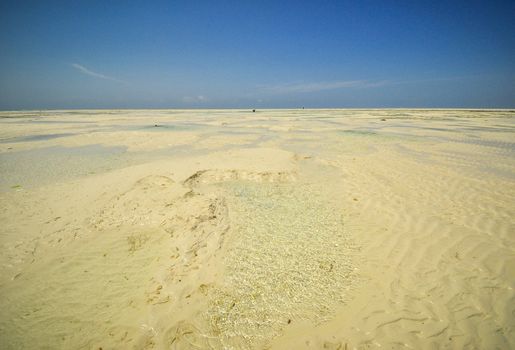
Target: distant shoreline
{"type": "Point", "coordinates": [465, 109]}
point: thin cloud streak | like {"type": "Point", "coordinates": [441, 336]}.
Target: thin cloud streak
{"type": "Point", "coordinates": [320, 86]}
{"type": "Point", "coordinates": [346, 84]}
{"type": "Point", "coordinates": [194, 99]}
{"type": "Point", "coordinates": [86, 71]}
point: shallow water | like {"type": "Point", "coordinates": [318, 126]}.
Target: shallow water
{"type": "Point", "coordinates": [289, 261]}
{"type": "Point", "coordinates": [42, 137]}
{"type": "Point", "coordinates": [42, 166]}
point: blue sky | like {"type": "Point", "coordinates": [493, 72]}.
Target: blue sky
{"type": "Point", "coordinates": [256, 54]}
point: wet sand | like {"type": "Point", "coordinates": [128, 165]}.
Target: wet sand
{"type": "Point", "coordinates": [280, 229]}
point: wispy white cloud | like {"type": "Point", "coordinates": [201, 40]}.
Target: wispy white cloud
{"type": "Point", "coordinates": [194, 99]}
{"type": "Point", "coordinates": [431, 80]}
{"type": "Point", "coordinates": [89, 72]}
{"type": "Point", "coordinates": [320, 86]}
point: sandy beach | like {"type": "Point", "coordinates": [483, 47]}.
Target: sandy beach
{"type": "Point", "coordinates": [274, 229]}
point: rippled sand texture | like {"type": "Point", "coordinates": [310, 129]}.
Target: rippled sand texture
{"type": "Point", "coordinates": [281, 229]}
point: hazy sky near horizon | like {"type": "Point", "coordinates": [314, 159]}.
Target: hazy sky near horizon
{"type": "Point", "coordinates": [256, 54]}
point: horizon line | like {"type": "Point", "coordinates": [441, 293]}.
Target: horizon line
{"type": "Point", "coordinates": [258, 109]}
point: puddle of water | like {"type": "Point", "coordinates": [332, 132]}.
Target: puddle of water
{"type": "Point", "coordinates": [158, 127]}
{"type": "Point", "coordinates": [43, 121]}
{"type": "Point", "coordinates": [507, 147]}
{"type": "Point", "coordinates": [42, 166]}
{"type": "Point", "coordinates": [289, 261]}
{"type": "Point", "coordinates": [358, 132]}
{"type": "Point", "coordinates": [30, 138]}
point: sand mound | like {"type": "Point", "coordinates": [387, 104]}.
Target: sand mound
{"type": "Point", "coordinates": [217, 176]}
